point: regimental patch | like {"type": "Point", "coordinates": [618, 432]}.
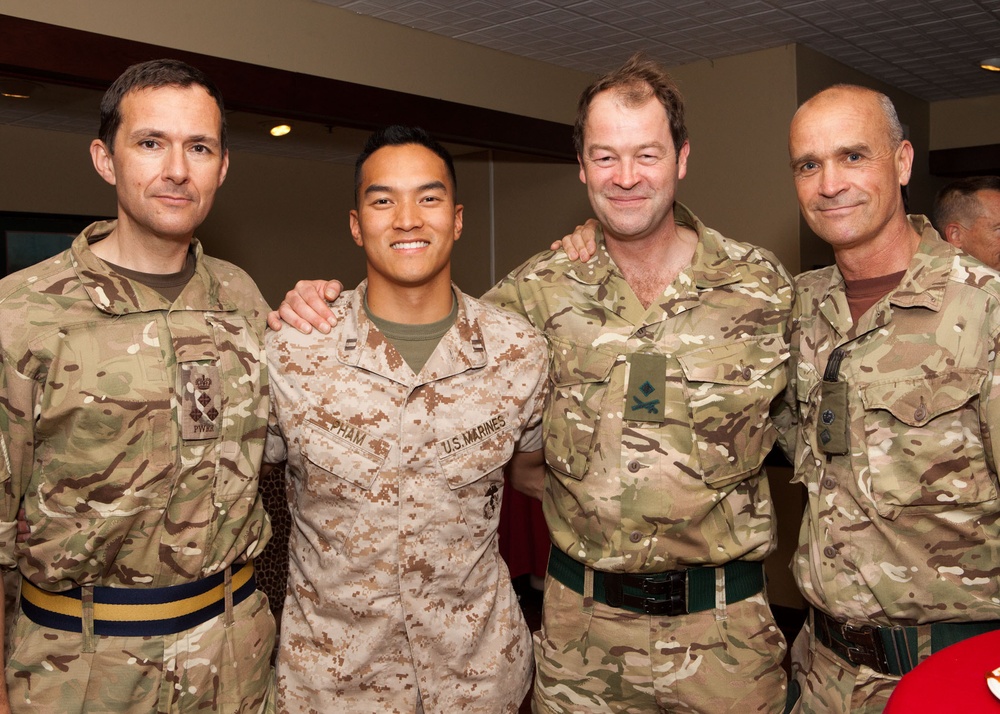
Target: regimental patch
{"type": "Point", "coordinates": [647, 380]}
{"type": "Point", "coordinates": [201, 400]}
{"type": "Point", "coordinates": [471, 437]}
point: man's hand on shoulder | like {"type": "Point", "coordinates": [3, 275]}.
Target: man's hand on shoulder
{"type": "Point", "coordinates": [305, 306]}
{"type": "Point", "coordinates": [581, 244]}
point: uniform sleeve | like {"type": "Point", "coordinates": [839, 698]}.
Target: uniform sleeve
{"type": "Point", "coordinates": [531, 438]}
{"type": "Point", "coordinates": [507, 293]}
{"type": "Point", "coordinates": [275, 449]}
{"type": "Point", "coordinates": [784, 412]}
{"type": "Point", "coordinates": [989, 401]}
{"type": "Point", "coordinates": [17, 395]}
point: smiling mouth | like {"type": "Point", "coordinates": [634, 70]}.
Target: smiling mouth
{"type": "Point", "coordinates": [410, 245]}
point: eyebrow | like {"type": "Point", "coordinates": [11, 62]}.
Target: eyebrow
{"type": "Point", "coordinates": [605, 147]}
{"type": "Point", "coordinates": [160, 134]}
{"type": "Point", "coordinates": [429, 186]}
{"type": "Point", "coordinates": [839, 151]}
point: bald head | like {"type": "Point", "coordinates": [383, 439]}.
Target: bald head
{"type": "Point", "coordinates": [849, 159]}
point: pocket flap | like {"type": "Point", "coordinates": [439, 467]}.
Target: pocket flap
{"type": "Point", "coordinates": [341, 456]}
{"type": "Point", "coordinates": [917, 401]}
{"type": "Point", "coordinates": [578, 364]}
{"type": "Point", "coordinates": [742, 362]}
{"type": "Point", "coordinates": [471, 463]}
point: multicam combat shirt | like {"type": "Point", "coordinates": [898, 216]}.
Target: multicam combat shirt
{"type": "Point", "coordinates": [131, 428]}
{"type": "Point", "coordinates": [688, 488]}
{"type": "Point", "coordinates": [902, 529]}
{"type": "Point", "coordinates": [398, 597]}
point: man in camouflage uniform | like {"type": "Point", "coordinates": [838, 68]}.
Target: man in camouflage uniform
{"type": "Point", "coordinates": [132, 418]}
{"type": "Point", "coordinates": [397, 428]}
{"type": "Point", "coordinates": [667, 354]}
{"type": "Point", "coordinates": [668, 350]}
{"type": "Point", "coordinates": [889, 415]}
{"type": "Point", "coordinates": [967, 214]}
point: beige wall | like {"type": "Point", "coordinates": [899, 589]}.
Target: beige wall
{"type": "Point", "coordinates": [284, 219]}
{"type": "Point", "coordinates": [327, 42]}
{"type": "Point", "coordinates": [738, 181]}
{"type": "Point", "coordinates": [957, 123]}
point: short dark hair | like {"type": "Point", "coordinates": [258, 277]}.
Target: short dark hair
{"type": "Point", "coordinates": [635, 83]}
{"type": "Point", "coordinates": [956, 202]}
{"type": "Point", "coordinates": [147, 75]}
{"type": "Point", "coordinates": [399, 135]}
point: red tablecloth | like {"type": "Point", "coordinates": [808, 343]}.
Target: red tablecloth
{"type": "Point", "coordinates": [952, 680]}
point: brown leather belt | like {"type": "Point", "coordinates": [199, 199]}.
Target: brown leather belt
{"type": "Point", "coordinates": [890, 650]}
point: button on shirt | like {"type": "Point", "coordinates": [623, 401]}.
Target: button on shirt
{"type": "Point", "coordinates": [689, 488]}
{"type": "Point", "coordinates": [905, 527]}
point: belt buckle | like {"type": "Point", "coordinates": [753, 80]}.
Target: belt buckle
{"type": "Point", "coordinates": [868, 650]}
{"type": "Point", "coordinates": [666, 597]}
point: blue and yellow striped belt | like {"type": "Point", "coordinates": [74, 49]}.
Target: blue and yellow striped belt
{"type": "Point", "coordinates": [139, 612]}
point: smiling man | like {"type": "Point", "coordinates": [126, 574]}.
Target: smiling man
{"type": "Point", "coordinates": [396, 428]}
{"type": "Point", "coordinates": [668, 351]}
{"type": "Point", "coordinates": [133, 409]}
{"type": "Point", "coordinates": [890, 417]}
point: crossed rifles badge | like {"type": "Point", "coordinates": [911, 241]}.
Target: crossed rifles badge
{"type": "Point", "coordinates": [200, 401]}
{"type": "Point", "coordinates": [646, 384]}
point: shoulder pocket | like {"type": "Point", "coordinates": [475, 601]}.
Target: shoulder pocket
{"type": "Point", "coordinates": [579, 384]}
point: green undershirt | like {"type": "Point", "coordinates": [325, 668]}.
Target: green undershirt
{"type": "Point", "coordinates": [415, 343]}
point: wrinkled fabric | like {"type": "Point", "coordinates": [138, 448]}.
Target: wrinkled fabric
{"type": "Point", "coordinates": [398, 600]}
{"type": "Point", "coordinates": [132, 432]}
{"type": "Point", "coordinates": [683, 487]}
{"type": "Point", "coordinates": [903, 528]}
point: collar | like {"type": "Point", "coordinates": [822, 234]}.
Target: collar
{"type": "Point", "coordinates": [927, 276]}
{"type": "Point", "coordinates": [711, 266]}
{"type": "Point", "coordinates": [115, 294]}
{"type": "Point", "coordinates": [362, 345]}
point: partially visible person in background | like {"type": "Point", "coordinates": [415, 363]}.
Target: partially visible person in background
{"type": "Point", "coordinates": [967, 215]}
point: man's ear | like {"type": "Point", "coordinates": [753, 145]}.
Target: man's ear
{"type": "Point", "coordinates": [458, 220]}
{"type": "Point", "coordinates": [953, 234]}
{"type": "Point", "coordinates": [103, 161]}
{"type": "Point", "coordinates": [356, 229]}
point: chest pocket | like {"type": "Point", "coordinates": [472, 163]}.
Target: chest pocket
{"type": "Point", "coordinates": [573, 413]}
{"type": "Point", "coordinates": [105, 425]}
{"type": "Point", "coordinates": [729, 390]}
{"type": "Point", "coordinates": [475, 477]}
{"type": "Point", "coordinates": [924, 445]}
{"type": "Point", "coordinates": [335, 484]}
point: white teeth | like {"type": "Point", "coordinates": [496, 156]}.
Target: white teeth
{"type": "Point", "coordinates": [408, 246]}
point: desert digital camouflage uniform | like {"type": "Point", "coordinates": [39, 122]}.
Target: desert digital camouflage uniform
{"type": "Point", "coordinates": [398, 600]}
{"type": "Point", "coordinates": [903, 529]}
{"type": "Point", "coordinates": [123, 486]}
{"type": "Point", "coordinates": [648, 497]}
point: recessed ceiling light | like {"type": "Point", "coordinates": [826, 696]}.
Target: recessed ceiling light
{"type": "Point", "coordinates": [992, 64]}
{"type": "Point", "coordinates": [280, 129]}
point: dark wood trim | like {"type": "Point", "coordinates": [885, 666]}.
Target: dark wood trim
{"type": "Point", "coordinates": [966, 161]}
{"type": "Point", "coordinates": [44, 52]}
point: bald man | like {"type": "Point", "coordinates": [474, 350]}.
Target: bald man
{"type": "Point", "coordinates": [888, 415]}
